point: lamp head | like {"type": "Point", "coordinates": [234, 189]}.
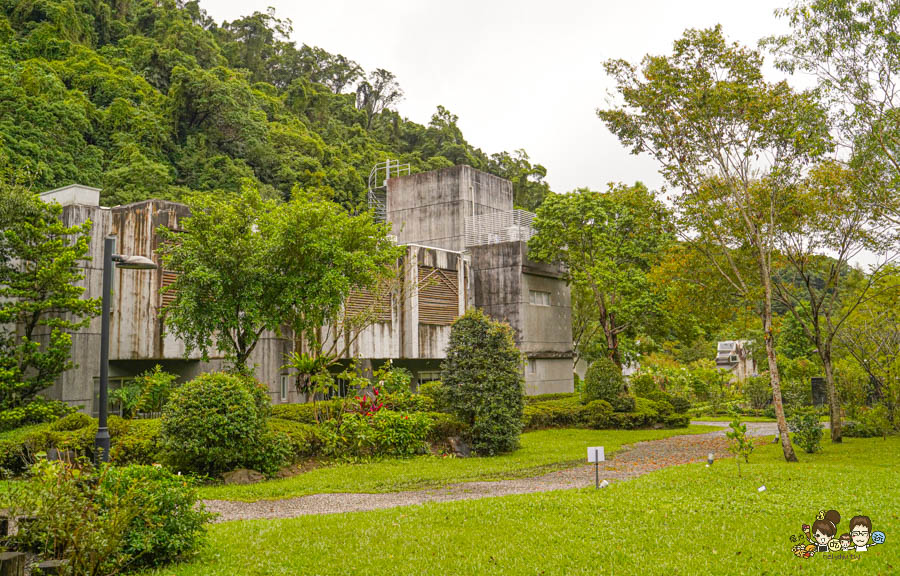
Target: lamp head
{"type": "Point", "coordinates": [133, 262]}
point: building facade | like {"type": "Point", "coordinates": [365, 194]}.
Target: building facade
{"type": "Point", "coordinates": [464, 246]}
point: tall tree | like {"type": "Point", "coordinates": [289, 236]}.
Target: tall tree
{"type": "Point", "coordinates": [377, 93]}
{"type": "Point", "coordinates": [608, 242]}
{"type": "Point", "coordinates": [246, 265]}
{"type": "Point", "coordinates": [40, 295]}
{"type": "Point", "coordinates": [831, 219]}
{"type": "Point", "coordinates": [871, 336]}
{"type": "Point", "coordinates": [731, 144]}
{"type": "Point", "coordinates": [529, 186]}
{"type": "Point", "coordinates": [851, 47]}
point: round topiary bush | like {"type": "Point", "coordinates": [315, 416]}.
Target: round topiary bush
{"type": "Point", "coordinates": [483, 381]}
{"type": "Point", "coordinates": [603, 381]}
{"type": "Point", "coordinates": [215, 423]}
{"type": "Point", "coordinates": [642, 385]}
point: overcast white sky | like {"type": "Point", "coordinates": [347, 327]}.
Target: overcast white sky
{"type": "Point", "coordinates": [519, 74]}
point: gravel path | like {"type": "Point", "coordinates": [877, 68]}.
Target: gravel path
{"type": "Point", "coordinates": [631, 461]}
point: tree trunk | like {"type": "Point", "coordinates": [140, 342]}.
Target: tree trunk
{"type": "Point", "coordinates": [774, 376]}
{"type": "Point", "coordinates": [833, 401]}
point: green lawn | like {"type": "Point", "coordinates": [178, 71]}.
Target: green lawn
{"type": "Point", "coordinates": [683, 520]}
{"type": "Point", "coordinates": [541, 451]}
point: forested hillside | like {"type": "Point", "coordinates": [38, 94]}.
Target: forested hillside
{"type": "Point", "coordinates": [152, 98]}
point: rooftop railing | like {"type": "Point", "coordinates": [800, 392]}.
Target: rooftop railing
{"type": "Point", "coordinates": [497, 227]}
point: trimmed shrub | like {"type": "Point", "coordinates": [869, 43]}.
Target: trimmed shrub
{"type": "Point", "coordinates": [623, 403]}
{"type": "Point", "coordinates": [598, 414]}
{"type": "Point", "coordinates": [645, 413]}
{"type": "Point", "coordinates": [437, 393]}
{"type": "Point", "coordinates": [406, 402]}
{"type": "Point", "coordinates": [485, 388]}
{"type": "Point", "coordinates": [547, 397]}
{"type": "Point", "coordinates": [383, 433]}
{"type": "Point", "coordinates": [445, 426]}
{"type": "Point", "coordinates": [681, 404]}
{"type": "Point", "coordinates": [17, 447]}
{"type": "Point", "coordinates": [642, 384]}
{"type": "Point", "coordinates": [677, 421]}
{"type": "Point", "coordinates": [603, 381]}
{"type": "Point", "coordinates": [558, 413]}
{"type": "Point", "coordinates": [306, 413]}
{"type": "Point", "coordinates": [169, 524]}
{"type": "Point", "coordinates": [38, 411]}
{"type": "Point", "coordinates": [303, 439]}
{"type": "Point", "coordinates": [215, 423]}
{"type": "Point", "coordinates": [136, 441]}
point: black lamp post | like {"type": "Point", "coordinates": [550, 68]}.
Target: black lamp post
{"type": "Point", "coordinates": [101, 443]}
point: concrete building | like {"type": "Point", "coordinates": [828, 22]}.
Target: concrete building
{"type": "Point", "coordinates": [735, 357]}
{"type": "Point", "coordinates": [465, 246]}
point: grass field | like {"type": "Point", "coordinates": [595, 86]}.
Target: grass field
{"type": "Point", "coordinates": [683, 520]}
{"type": "Point", "coordinates": [541, 451]}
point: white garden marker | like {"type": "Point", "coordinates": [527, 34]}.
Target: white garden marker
{"type": "Point", "coordinates": [595, 456]}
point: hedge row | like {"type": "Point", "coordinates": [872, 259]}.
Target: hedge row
{"type": "Point", "coordinates": [569, 412]}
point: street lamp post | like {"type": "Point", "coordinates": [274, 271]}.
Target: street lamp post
{"type": "Point", "coordinates": [101, 442]}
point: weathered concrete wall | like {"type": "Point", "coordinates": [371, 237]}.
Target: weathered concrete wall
{"type": "Point", "coordinates": [136, 330]}
{"type": "Point", "coordinates": [430, 208]}
{"type": "Point", "coordinates": [502, 278]}
{"type": "Point", "coordinates": [550, 376]}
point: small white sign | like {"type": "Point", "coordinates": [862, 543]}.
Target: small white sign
{"type": "Point", "coordinates": [595, 455]}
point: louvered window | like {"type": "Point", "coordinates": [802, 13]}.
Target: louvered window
{"type": "Point", "coordinates": [438, 296]}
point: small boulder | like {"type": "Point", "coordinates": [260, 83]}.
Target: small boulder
{"type": "Point", "coordinates": [459, 447]}
{"type": "Point", "coordinates": [243, 476]}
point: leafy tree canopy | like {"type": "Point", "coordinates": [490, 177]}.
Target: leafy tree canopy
{"type": "Point", "coordinates": [154, 99]}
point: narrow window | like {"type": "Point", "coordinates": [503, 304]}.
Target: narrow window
{"type": "Point", "coordinates": [539, 298]}
{"type": "Point", "coordinates": [284, 386]}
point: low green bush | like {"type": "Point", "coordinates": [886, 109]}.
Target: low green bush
{"type": "Point", "coordinates": [645, 413]}
{"type": "Point", "coordinates": [807, 429]}
{"type": "Point", "coordinates": [303, 439]}
{"type": "Point", "coordinates": [597, 414]}
{"type": "Point", "coordinates": [444, 426]}
{"type": "Point", "coordinates": [643, 385]}
{"type": "Point", "coordinates": [135, 441]}
{"type": "Point", "coordinates": [17, 447]}
{"type": "Point", "coordinates": [384, 433]}
{"type": "Point", "coordinates": [681, 404]}
{"type": "Point", "coordinates": [435, 391]}
{"type": "Point", "coordinates": [306, 413]}
{"type": "Point", "coordinates": [38, 411]}
{"type": "Point", "coordinates": [547, 397]}
{"type": "Point", "coordinates": [215, 423]}
{"type": "Point", "coordinates": [677, 421]}
{"type": "Point", "coordinates": [869, 423]}
{"type": "Point", "coordinates": [603, 381]}
{"type": "Point", "coordinates": [406, 402]}
{"type": "Point", "coordinates": [623, 403]}
{"type": "Point", "coordinates": [104, 520]}
{"type": "Point", "coordinates": [170, 522]}
{"type": "Point", "coordinates": [558, 413]}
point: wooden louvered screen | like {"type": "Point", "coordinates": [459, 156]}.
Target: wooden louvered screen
{"type": "Point", "coordinates": [438, 296]}
{"type": "Point", "coordinates": [362, 301]}
{"type": "Point", "coordinates": [168, 278]}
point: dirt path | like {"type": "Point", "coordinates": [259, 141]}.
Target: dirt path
{"type": "Point", "coordinates": [631, 461]}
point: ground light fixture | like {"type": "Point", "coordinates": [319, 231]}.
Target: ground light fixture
{"type": "Point", "coordinates": [101, 442]}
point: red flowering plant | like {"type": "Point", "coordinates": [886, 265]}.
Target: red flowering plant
{"type": "Point", "coordinates": [369, 405]}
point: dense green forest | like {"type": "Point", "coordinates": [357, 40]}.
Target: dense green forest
{"type": "Point", "coordinates": [152, 98]}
